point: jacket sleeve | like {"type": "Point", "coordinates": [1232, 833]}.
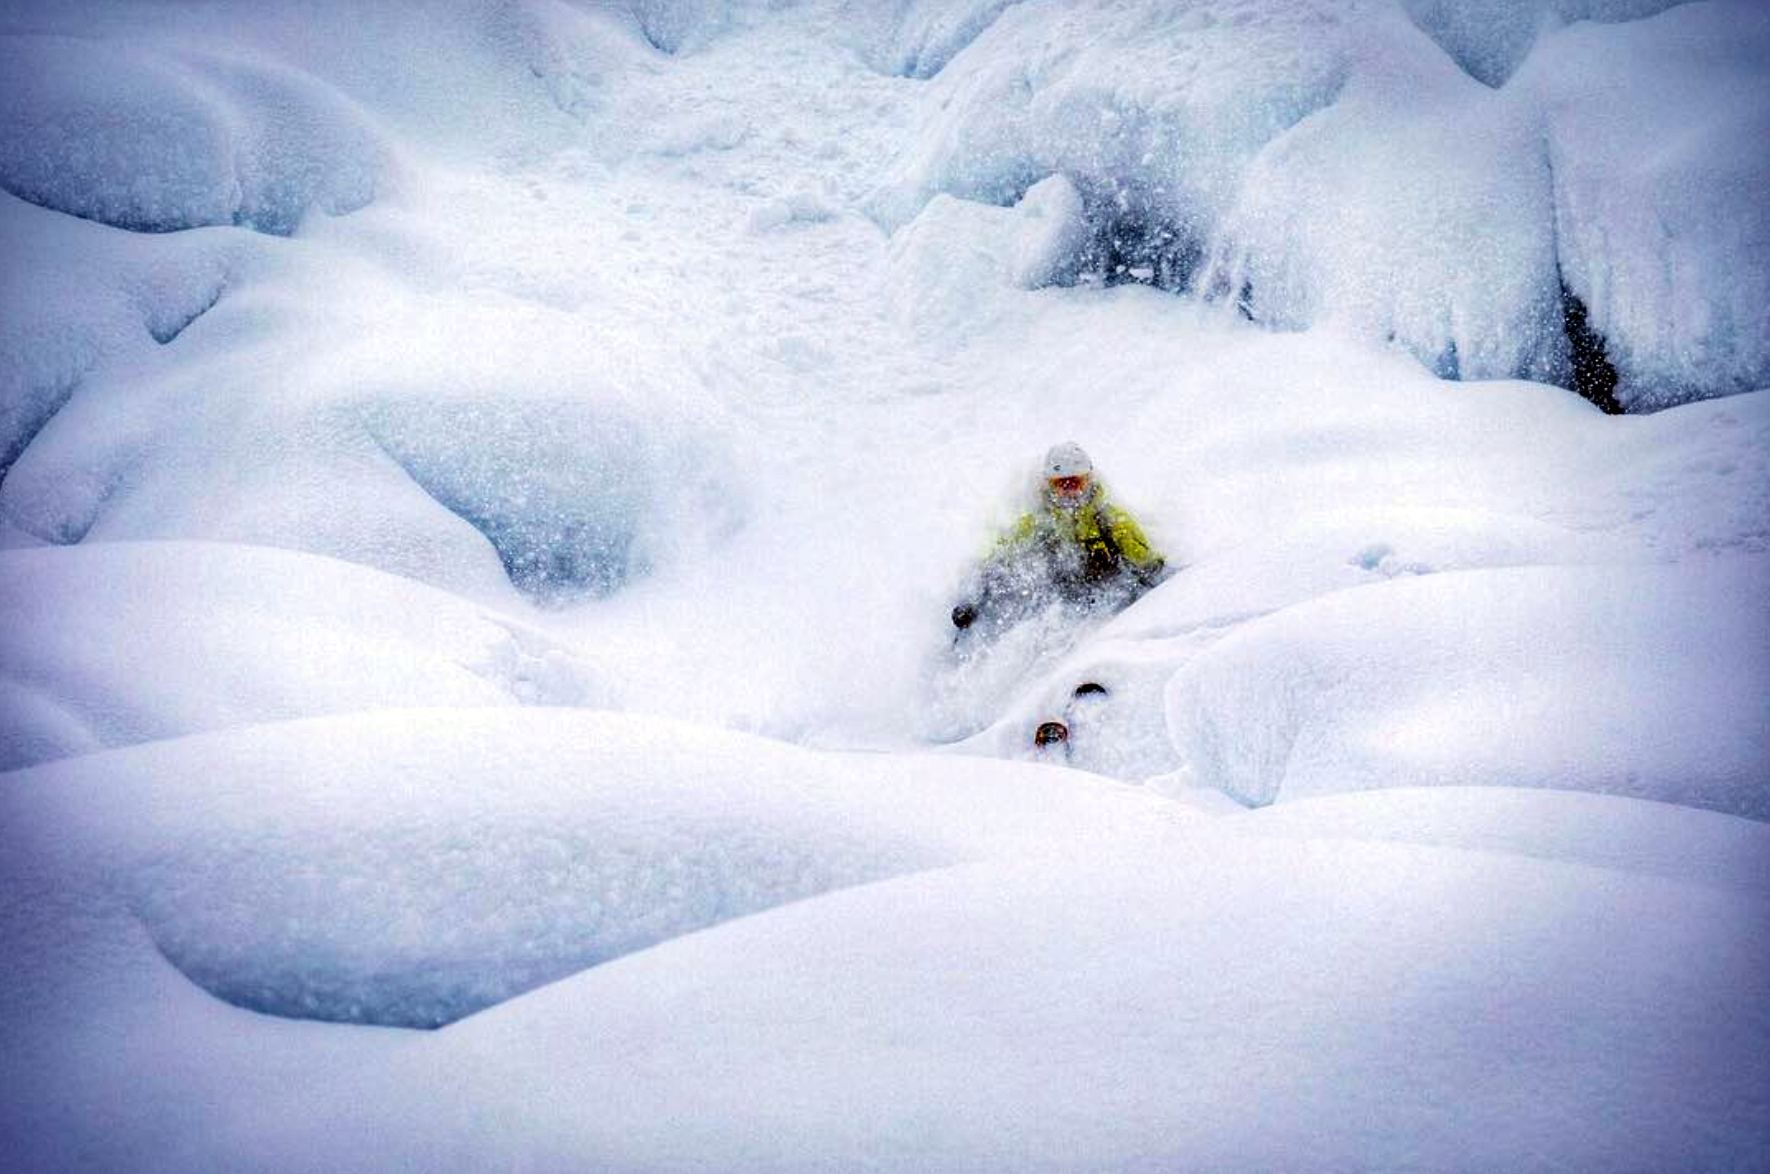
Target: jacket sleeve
{"type": "Point", "coordinates": [1000, 554]}
{"type": "Point", "coordinates": [1131, 542]}
{"type": "Point", "coordinates": [1013, 540]}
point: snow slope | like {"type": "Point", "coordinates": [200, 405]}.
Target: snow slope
{"type": "Point", "coordinates": [480, 499]}
{"type": "Point", "coordinates": [1109, 983]}
{"type": "Point", "coordinates": [533, 847]}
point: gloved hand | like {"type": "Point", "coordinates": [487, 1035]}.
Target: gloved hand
{"type": "Point", "coordinates": [964, 616]}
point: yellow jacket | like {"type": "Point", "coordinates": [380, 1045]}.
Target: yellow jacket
{"type": "Point", "coordinates": [1087, 542]}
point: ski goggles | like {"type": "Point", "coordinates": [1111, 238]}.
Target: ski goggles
{"type": "Point", "coordinates": [1068, 486]}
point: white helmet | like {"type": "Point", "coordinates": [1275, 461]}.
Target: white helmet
{"type": "Point", "coordinates": [1067, 460]}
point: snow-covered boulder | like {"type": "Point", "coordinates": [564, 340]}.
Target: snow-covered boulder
{"type": "Point", "coordinates": [176, 638]}
{"type": "Point", "coordinates": [1152, 109]}
{"type": "Point", "coordinates": [1255, 1004]}
{"type": "Point", "coordinates": [1414, 209]}
{"type": "Point", "coordinates": [156, 141]}
{"type": "Point", "coordinates": [410, 867]}
{"type": "Point", "coordinates": [916, 38]}
{"type": "Point", "coordinates": [675, 26]}
{"type": "Point", "coordinates": [1050, 234]}
{"type": "Point", "coordinates": [1489, 39]}
{"type": "Point", "coordinates": [947, 268]}
{"type": "Point", "coordinates": [76, 297]}
{"type": "Point", "coordinates": [557, 455]}
{"type": "Point", "coordinates": [1312, 164]}
{"type": "Point", "coordinates": [1329, 164]}
{"type": "Point", "coordinates": [578, 495]}
{"type": "Point", "coordinates": [954, 263]}
{"type": "Point", "coordinates": [1661, 224]}
{"type": "Point", "coordinates": [1033, 960]}
{"type": "Point", "coordinates": [465, 76]}
{"type": "Point", "coordinates": [1642, 681]}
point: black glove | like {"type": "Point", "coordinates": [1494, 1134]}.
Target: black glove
{"type": "Point", "coordinates": [963, 616]}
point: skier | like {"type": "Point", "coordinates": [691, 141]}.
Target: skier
{"type": "Point", "coordinates": [1076, 547]}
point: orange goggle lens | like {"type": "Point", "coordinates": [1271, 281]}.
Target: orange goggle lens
{"type": "Point", "coordinates": [1069, 486]}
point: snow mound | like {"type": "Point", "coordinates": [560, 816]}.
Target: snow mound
{"type": "Point", "coordinates": [1488, 39]}
{"type": "Point", "coordinates": [154, 141]}
{"type": "Point", "coordinates": [1152, 110]}
{"type": "Point", "coordinates": [578, 495]}
{"type": "Point", "coordinates": [422, 865]}
{"type": "Point", "coordinates": [952, 265]}
{"type": "Point", "coordinates": [560, 454]}
{"type": "Point", "coordinates": [1328, 165]}
{"type": "Point", "coordinates": [178, 638]}
{"type": "Point", "coordinates": [1323, 551]}
{"type": "Point", "coordinates": [1277, 468]}
{"type": "Point", "coordinates": [1050, 234]}
{"type": "Point", "coordinates": [1663, 229]}
{"type": "Point", "coordinates": [1645, 681]}
{"type": "Point", "coordinates": [75, 296]}
{"type": "Point", "coordinates": [462, 77]}
{"type": "Point", "coordinates": [677, 26]}
{"type": "Point", "coordinates": [916, 38]}
{"type": "Point", "coordinates": [1599, 831]}
{"type": "Point", "coordinates": [1365, 216]}
{"type": "Point", "coordinates": [947, 268]}
{"type": "Point", "coordinates": [1338, 1004]}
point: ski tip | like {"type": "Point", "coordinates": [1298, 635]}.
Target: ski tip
{"type": "Point", "coordinates": [1050, 734]}
{"type": "Point", "coordinates": [1091, 689]}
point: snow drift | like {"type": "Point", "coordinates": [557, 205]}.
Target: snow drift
{"type": "Point", "coordinates": [175, 141]}
{"type": "Point", "coordinates": [1624, 991]}
{"type": "Point", "coordinates": [1489, 39]}
{"type": "Point", "coordinates": [423, 865]}
{"type": "Point", "coordinates": [183, 637]}
{"type": "Point", "coordinates": [1661, 228]}
{"type": "Point", "coordinates": [1480, 678]}
{"type": "Point", "coordinates": [1413, 209]}
{"type": "Point", "coordinates": [1328, 165]}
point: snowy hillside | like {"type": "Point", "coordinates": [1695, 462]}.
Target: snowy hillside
{"type": "Point", "coordinates": [483, 484]}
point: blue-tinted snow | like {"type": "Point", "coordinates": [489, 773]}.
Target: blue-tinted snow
{"type": "Point", "coordinates": [495, 853]}
{"type": "Point", "coordinates": [1489, 39]}
{"type": "Point", "coordinates": [1476, 679]}
{"type": "Point", "coordinates": [182, 637]}
{"type": "Point", "coordinates": [1332, 166]}
{"type": "Point", "coordinates": [1661, 225]}
{"type": "Point", "coordinates": [752, 339]}
{"type": "Point", "coordinates": [161, 141]}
